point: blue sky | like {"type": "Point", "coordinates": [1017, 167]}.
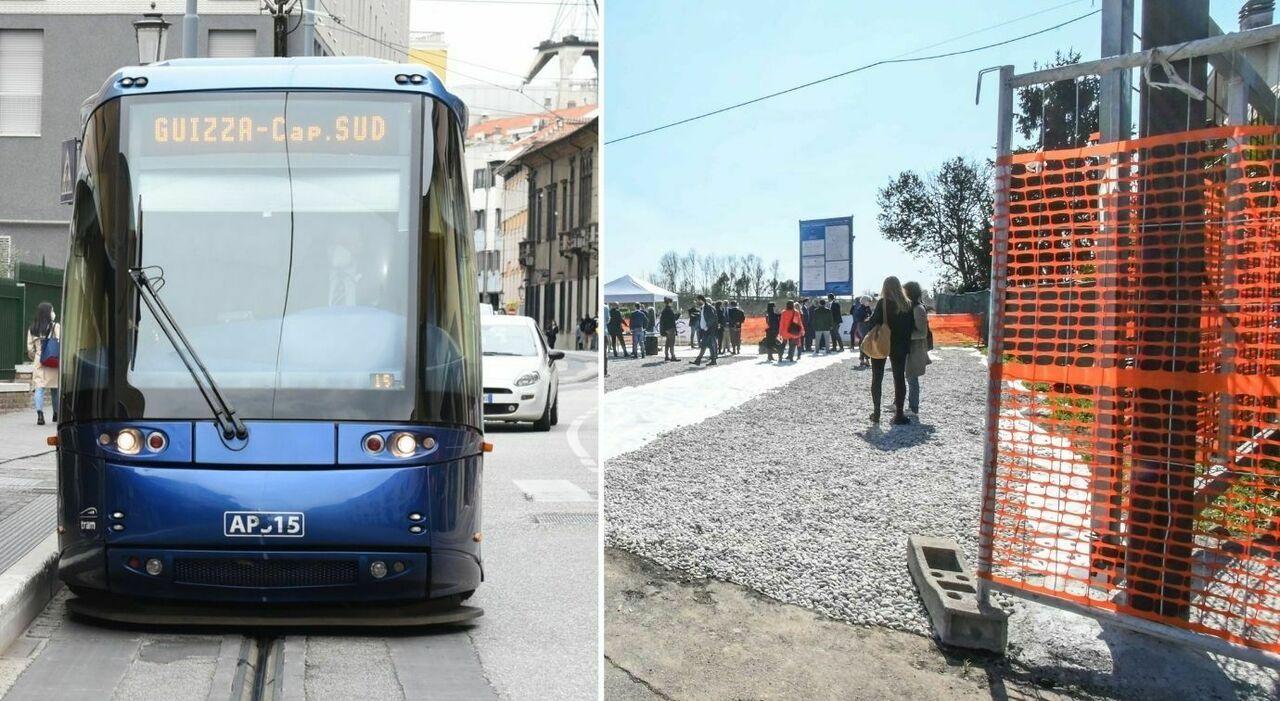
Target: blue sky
{"type": "Point", "coordinates": [739, 182]}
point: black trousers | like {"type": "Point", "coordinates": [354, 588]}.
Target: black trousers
{"type": "Point", "coordinates": [898, 363]}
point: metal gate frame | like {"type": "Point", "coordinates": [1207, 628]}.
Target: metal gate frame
{"type": "Point", "coordinates": [1243, 83]}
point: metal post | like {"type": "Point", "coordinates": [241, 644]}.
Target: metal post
{"type": "Point", "coordinates": [995, 307]}
{"type": "Point", "coordinates": [191, 31]}
{"type": "Point", "coordinates": [1117, 40]}
{"type": "Point", "coordinates": [309, 28]}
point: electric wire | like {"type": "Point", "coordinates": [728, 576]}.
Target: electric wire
{"type": "Point", "coordinates": [842, 74]}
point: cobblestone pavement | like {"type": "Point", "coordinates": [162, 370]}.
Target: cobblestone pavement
{"type": "Point", "coordinates": [630, 372]}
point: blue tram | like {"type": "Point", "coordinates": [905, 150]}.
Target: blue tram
{"type": "Point", "coordinates": [270, 360]}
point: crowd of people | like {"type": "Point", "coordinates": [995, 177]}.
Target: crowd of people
{"type": "Point", "coordinates": [896, 319]}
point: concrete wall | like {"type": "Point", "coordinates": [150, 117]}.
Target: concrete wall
{"type": "Point", "coordinates": [74, 69]}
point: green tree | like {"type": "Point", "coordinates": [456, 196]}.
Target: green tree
{"type": "Point", "coordinates": [944, 216]}
{"type": "Point", "coordinates": [1066, 110]}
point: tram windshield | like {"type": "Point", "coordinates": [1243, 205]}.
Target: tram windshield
{"type": "Point", "coordinates": [285, 228]}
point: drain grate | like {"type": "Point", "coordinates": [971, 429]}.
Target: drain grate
{"type": "Point", "coordinates": [565, 518]}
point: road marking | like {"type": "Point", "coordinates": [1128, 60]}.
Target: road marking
{"type": "Point", "coordinates": [575, 443]}
{"type": "Point", "coordinates": [552, 490]}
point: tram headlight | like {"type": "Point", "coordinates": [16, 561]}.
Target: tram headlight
{"type": "Point", "coordinates": [403, 444]}
{"type": "Point", "coordinates": [378, 569]}
{"type": "Point", "coordinates": [154, 566]}
{"type": "Point", "coordinates": [129, 441]}
{"type": "Point", "coordinates": [529, 378]}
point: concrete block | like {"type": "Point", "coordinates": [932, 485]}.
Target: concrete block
{"type": "Point", "coordinates": [949, 590]}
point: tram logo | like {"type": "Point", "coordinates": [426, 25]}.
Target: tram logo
{"type": "Point", "coordinates": [274, 524]}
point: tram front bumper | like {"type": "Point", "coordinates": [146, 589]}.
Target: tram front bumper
{"type": "Point", "coordinates": [268, 577]}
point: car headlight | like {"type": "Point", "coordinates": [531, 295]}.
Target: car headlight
{"type": "Point", "coordinates": [527, 379]}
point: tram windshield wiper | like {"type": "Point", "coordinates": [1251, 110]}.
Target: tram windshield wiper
{"type": "Point", "coordinates": [228, 422]}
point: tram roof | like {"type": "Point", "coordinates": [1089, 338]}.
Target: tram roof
{"type": "Point", "coordinates": [310, 73]}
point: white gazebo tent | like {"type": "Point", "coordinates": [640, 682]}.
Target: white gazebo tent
{"type": "Point", "coordinates": [629, 290]}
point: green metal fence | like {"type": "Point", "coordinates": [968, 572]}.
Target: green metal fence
{"type": "Point", "coordinates": [31, 285]}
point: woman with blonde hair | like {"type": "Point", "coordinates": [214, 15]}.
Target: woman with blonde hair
{"type": "Point", "coordinates": [893, 310]}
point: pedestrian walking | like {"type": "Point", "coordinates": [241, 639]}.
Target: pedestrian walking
{"type": "Point", "coordinates": [44, 340]}
{"type": "Point", "coordinates": [821, 319]}
{"type": "Point", "coordinates": [836, 319]}
{"type": "Point", "coordinates": [639, 322]}
{"type": "Point", "coordinates": [587, 327]}
{"type": "Point", "coordinates": [553, 330]}
{"type": "Point", "coordinates": [806, 313]}
{"type": "Point", "coordinates": [791, 329]}
{"type": "Point", "coordinates": [861, 325]}
{"type": "Point", "coordinates": [709, 322]}
{"type": "Point", "coordinates": [772, 321]}
{"type": "Point", "coordinates": [613, 324]}
{"type": "Point", "coordinates": [667, 327]}
{"type": "Point", "coordinates": [722, 328]}
{"type": "Point", "coordinates": [918, 355]}
{"type": "Point", "coordinates": [894, 312]}
{"type": "Point", "coordinates": [736, 319]}
{"type": "Point", "coordinates": [695, 326]}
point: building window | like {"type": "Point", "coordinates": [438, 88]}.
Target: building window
{"type": "Point", "coordinates": [477, 220]}
{"type": "Point", "coordinates": [551, 212]}
{"type": "Point", "coordinates": [481, 178]}
{"type": "Point", "coordinates": [233, 43]}
{"type": "Point", "coordinates": [584, 187]}
{"type": "Point", "coordinates": [21, 81]}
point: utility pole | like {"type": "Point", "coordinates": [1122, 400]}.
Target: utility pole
{"type": "Point", "coordinates": [1117, 40]}
{"type": "Point", "coordinates": [191, 31]}
{"type": "Point", "coordinates": [280, 17]}
{"type": "Point", "coordinates": [309, 28]}
{"type": "Point", "coordinates": [1158, 556]}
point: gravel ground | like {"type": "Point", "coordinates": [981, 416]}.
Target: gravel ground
{"type": "Point", "coordinates": [783, 483]}
{"type": "Point", "coordinates": [628, 372]}
{"type": "Point", "coordinates": [794, 494]}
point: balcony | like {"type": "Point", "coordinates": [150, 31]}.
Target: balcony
{"type": "Point", "coordinates": [528, 253]}
{"type": "Point", "coordinates": [580, 240]}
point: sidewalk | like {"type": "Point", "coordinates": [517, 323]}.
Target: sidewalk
{"type": "Point", "coordinates": [638, 415]}
{"type": "Point", "coordinates": [28, 517]}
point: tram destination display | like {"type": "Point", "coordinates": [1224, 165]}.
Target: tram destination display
{"type": "Point", "coordinates": [268, 124]}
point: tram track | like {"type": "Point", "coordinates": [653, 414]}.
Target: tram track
{"type": "Point", "coordinates": [260, 669]}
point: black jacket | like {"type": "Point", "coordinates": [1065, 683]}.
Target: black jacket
{"type": "Point", "coordinates": [835, 312]}
{"type": "Point", "coordinates": [901, 323]}
{"type": "Point", "coordinates": [667, 320]}
{"type": "Point", "coordinates": [772, 320]}
{"type": "Point", "coordinates": [736, 316]}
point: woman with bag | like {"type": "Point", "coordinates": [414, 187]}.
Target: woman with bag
{"type": "Point", "coordinates": [791, 330]}
{"type": "Point", "coordinates": [918, 356]}
{"type": "Point", "coordinates": [44, 338]}
{"type": "Point", "coordinates": [892, 318]}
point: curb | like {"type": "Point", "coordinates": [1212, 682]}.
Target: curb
{"type": "Point", "coordinates": [587, 375]}
{"type": "Point", "coordinates": [25, 589]}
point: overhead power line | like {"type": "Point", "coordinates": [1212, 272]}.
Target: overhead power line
{"type": "Point", "coordinates": [339, 25]}
{"type": "Point", "coordinates": [842, 74]}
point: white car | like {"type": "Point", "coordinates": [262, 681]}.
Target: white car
{"type": "Point", "coordinates": [521, 381]}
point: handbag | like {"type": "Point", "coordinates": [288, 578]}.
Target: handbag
{"type": "Point", "coordinates": [49, 349]}
{"type": "Point", "coordinates": [875, 344]}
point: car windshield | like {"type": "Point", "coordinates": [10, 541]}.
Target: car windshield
{"type": "Point", "coordinates": [508, 339]}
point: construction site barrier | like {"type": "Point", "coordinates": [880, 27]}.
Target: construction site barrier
{"type": "Point", "coordinates": [956, 329]}
{"type": "Point", "coordinates": [1134, 424]}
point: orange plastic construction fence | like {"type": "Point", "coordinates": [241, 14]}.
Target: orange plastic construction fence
{"type": "Point", "coordinates": [956, 329]}
{"type": "Point", "coordinates": [1134, 432]}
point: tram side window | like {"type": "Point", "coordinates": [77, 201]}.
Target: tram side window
{"type": "Point", "coordinates": [87, 312]}
{"type": "Point", "coordinates": [450, 347]}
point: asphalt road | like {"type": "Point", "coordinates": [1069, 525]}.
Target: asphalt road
{"type": "Point", "coordinates": [537, 639]}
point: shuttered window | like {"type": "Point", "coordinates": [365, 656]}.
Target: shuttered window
{"type": "Point", "coordinates": [21, 81]}
{"type": "Point", "coordinates": [233, 43]}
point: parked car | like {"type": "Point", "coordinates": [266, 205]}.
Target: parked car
{"type": "Point", "coordinates": [521, 380]}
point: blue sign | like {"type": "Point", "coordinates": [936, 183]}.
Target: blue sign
{"type": "Point", "coordinates": [826, 256]}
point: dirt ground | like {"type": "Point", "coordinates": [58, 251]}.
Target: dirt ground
{"type": "Point", "coordinates": [674, 636]}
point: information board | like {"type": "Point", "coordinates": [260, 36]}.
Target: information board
{"type": "Point", "coordinates": [826, 256]}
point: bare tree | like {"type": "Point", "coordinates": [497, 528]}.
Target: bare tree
{"type": "Point", "coordinates": [755, 268]}
{"type": "Point", "coordinates": [774, 277]}
{"type": "Point", "coordinates": [668, 271]}
{"type": "Point", "coordinates": [689, 272]}
{"type": "Point", "coordinates": [710, 268]}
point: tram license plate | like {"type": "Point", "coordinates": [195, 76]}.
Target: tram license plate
{"type": "Point", "coordinates": [278, 524]}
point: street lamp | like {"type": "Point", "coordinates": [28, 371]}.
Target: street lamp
{"type": "Point", "coordinates": [151, 36]}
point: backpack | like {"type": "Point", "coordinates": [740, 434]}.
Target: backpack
{"type": "Point", "coordinates": [49, 349]}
